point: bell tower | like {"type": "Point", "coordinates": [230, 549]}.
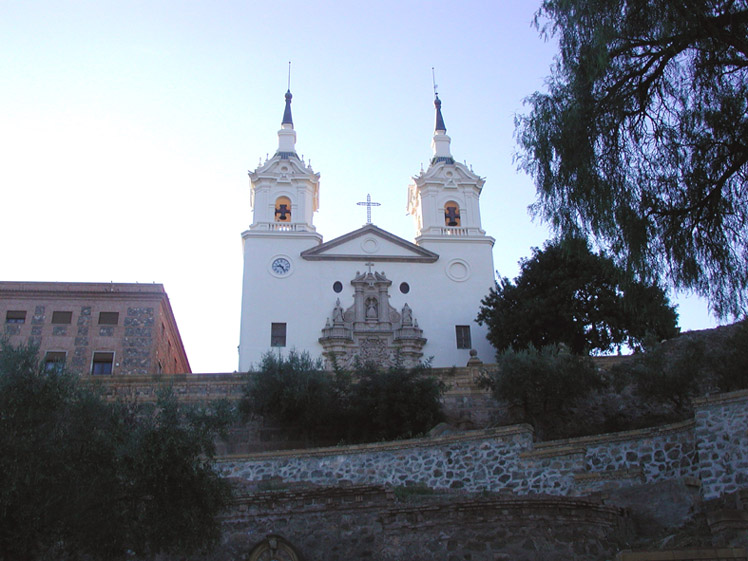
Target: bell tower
{"type": "Point", "coordinates": [284, 190]}
{"type": "Point", "coordinates": [445, 203]}
{"type": "Point", "coordinates": [444, 199]}
{"type": "Point", "coordinates": [284, 194]}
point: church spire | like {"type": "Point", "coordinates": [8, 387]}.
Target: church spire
{"type": "Point", "coordinates": [287, 119]}
{"type": "Point", "coordinates": [440, 143]}
{"type": "Point", "coordinates": [287, 134]}
{"type": "Point", "coordinates": [439, 119]}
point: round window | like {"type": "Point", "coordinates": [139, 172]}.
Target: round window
{"type": "Point", "coordinates": [404, 287]}
{"type": "Point", "coordinates": [337, 286]}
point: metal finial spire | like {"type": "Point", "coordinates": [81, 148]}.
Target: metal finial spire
{"type": "Point", "coordinates": [440, 126]}
{"type": "Point", "coordinates": [287, 118]}
{"type": "Point", "coordinates": [368, 204]}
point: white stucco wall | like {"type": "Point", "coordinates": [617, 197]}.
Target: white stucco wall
{"type": "Point", "coordinates": [442, 294]}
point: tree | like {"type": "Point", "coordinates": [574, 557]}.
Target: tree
{"type": "Point", "coordinates": [543, 383]}
{"type": "Point", "coordinates": [367, 404]}
{"type": "Point", "coordinates": [392, 403]}
{"type": "Point", "coordinates": [83, 478]}
{"type": "Point", "coordinates": [641, 139]}
{"type": "Point", "coordinates": [295, 392]}
{"type": "Point", "coordinates": [567, 294]}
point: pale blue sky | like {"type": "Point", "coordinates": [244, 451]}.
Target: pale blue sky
{"type": "Point", "coordinates": [127, 129]}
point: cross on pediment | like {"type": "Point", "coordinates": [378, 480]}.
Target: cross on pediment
{"type": "Point", "coordinates": [368, 204]}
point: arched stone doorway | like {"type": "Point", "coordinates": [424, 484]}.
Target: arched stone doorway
{"type": "Point", "coordinates": [274, 548]}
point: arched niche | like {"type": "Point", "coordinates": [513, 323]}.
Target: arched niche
{"type": "Point", "coordinates": [452, 214]}
{"type": "Point", "coordinates": [283, 209]}
{"type": "Point", "coordinates": [274, 548]}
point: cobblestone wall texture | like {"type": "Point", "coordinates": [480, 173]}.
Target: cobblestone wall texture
{"type": "Point", "coordinates": [713, 447]}
{"type": "Point", "coordinates": [721, 433]}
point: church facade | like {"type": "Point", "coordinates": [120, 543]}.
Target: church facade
{"type": "Point", "coordinates": [366, 295]}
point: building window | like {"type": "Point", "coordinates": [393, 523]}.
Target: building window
{"type": "Point", "coordinates": [54, 361]}
{"type": "Point", "coordinates": [102, 364]}
{"type": "Point", "coordinates": [278, 335]}
{"type": "Point", "coordinates": [451, 214]}
{"type": "Point", "coordinates": [15, 316]}
{"type": "Point", "coordinates": [404, 287]}
{"type": "Point", "coordinates": [62, 317]}
{"type": "Point", "coordinates": [337, 286]}
{"type": "Point", "coordinates": [108, 318]}
{"type": "Point", "coordinates": [463, 336]}
{"type": "Point", "coordinates": [283, 209]}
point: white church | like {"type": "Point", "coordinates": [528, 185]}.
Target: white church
{"type": "Point", "coordinates": [366, 295]}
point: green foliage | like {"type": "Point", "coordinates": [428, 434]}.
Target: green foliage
{"type": "Point", "coordinates": [82, 478]}
{"type": "Point", "coordinates": [293, 391]}
{"type": "Point", "coordinates": [670, 378]}
{"type": "Point", "coordinates": [394, 403]}
{"type": "Point", "coordinates": [732, 370]}
{"type": "Point", "coordinates": [543, 383]}
{"type": "Point", "coordinates": [368, 404]}
{"type": "Point", "coordinates": [567, 294]}
{"type": "Point", "coordinates": [640, 140]}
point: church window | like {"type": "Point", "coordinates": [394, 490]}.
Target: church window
{"type": "Point", "coordinates": [15, 316]}
{"type": "Point", "coordinates": [108, 318]}
{"type": "Point", "coordinates": [337, 286]}
{"type": "Point", "coordinates": [102, 363]}
{"type": "Point", "coordinates": [278, 335]}
{"type": "Point", "coordinates": [404, 287]}
{"type": "Point", "coordinates": [451, 214]}
{"type": "Point", "coordinates": [283, 209]}
{"type": "Point", "coordinates": [54, 361]}
{"type": "Point", "coordinates": [463, 336]}
{"type": "Point", "coordinates": [62, 317]}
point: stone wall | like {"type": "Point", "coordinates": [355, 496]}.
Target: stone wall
{"type": "Point", "coordinates": [721, 433]}
{"type": "Point", "coordinates": [372, 522]}
{"type": "Point", "coordinates": [713, 448]}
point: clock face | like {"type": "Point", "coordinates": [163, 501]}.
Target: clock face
{"type": "Point", "coordinates": [281, 266]}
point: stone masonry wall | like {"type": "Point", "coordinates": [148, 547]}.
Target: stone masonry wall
{"type": "Point", "coordinates": [722, 443]}
{"type": "Point", "coordinates": [713, 447]}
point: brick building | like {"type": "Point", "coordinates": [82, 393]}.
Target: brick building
{"type": "Point", "coordinates": [95, 328]}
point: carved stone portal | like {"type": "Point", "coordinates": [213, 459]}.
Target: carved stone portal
{"type": "Point", "coordinates": [371, 329]}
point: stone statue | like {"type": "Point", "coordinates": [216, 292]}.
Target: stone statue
{"type": "Point", "coordinates": [371, 308]}
{"type": "Point", "coordinates": [337, 313]}
{"type": "Point", "coordinates": [407, 315]}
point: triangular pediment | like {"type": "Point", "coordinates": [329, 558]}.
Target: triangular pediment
{"type": "Point", "coordinates": [370, 243]}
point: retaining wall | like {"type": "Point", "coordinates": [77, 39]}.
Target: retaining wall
{"type": "Point", "coordinates": [712, 448]}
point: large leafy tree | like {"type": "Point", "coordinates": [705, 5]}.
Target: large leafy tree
{"type": "Point", "coordinates": [641, 140]}
{"type": "Point", "coordinates": [566, 294]}
{"type": "Point", "coordinates": [369, 403]}
{"type": "Point", "coordinates": [87, 479]}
